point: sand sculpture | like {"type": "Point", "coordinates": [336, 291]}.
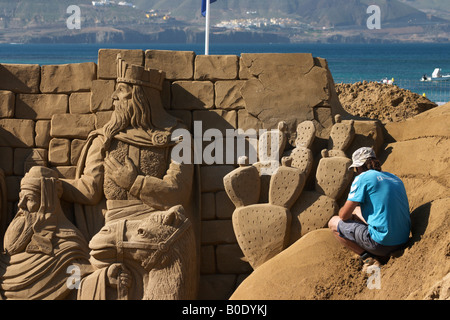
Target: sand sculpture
{"type": "Point", "coordinates": [108, 136]}
{"type": "Point", "coordinates": [314, 208]}
{"type": "Point", "coordinates": [151, 259]}
{"type": "Point", "coordinates": [265, 229]}
{"type": "Point", "coordinates": [125, 177]}
{"type": "Point", "coordinates": [41, 244]}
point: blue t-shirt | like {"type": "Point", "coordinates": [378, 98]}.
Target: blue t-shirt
{"type": "Point", "coordinates": [384, 206]}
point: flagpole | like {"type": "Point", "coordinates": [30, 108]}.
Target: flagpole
{"type": "Point", "coordinates": [207, 28]}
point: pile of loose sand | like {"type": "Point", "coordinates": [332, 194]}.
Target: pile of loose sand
{"type": "Point", "coordinates": [385, 102]}
{"type": "Point", "coordinates": [317, 267]}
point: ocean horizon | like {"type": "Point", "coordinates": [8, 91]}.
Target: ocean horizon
{"type": "Point", "coordinates": [348, 63]}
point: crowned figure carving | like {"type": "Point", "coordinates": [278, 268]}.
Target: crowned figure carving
{"type": "Point", "coordinates": [128, 161]}
{"type": "Point", "coordinates": [125, 173]}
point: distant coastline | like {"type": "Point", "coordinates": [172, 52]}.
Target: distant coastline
{"type": "Point", "coordinates": [192, 36]}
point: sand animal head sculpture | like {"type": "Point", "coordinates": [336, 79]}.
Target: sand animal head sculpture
{"type": "Point", "coordinates": [159, 249]}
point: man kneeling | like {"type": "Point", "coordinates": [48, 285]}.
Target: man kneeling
{"type": "Point", "coordinates": [375, 220]}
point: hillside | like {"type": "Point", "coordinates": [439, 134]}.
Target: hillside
{"type": "Point", "coordinates": [439, 8]}
{"type": "Point", "coordinates": [282, 21]}
{"type": "Point", "coordinates": [320, 12]}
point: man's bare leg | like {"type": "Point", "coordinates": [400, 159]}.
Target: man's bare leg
{"type": "Point", "coordinates": [332, 224]}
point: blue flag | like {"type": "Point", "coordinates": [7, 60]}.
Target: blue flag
{"type": "Point", "coordinates": [204, 6]}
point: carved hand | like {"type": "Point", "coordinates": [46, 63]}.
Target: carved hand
{"type": "Point", "coordinates": [118, 275]}
{"type": "Point", "coordinates": [122, 175]}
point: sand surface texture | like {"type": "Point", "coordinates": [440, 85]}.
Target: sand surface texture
{"type": "Point", "coordinates": [417, 149]}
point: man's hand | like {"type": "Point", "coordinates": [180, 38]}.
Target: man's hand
{"type": "Point", "coordinates": [123, 175]}
{"type": "Point", "coordinates": [346, 212]}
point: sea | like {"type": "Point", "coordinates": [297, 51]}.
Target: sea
{"type": "Point", "coordinates": [348, 63]}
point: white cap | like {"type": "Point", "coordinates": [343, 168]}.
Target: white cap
{"type": "Point", "coordinates": [361, 155]}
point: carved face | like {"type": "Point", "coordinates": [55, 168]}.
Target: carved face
{"type": "Point", "coordinates": [123, 92]}
{"type": "Point", "coordinates": [29, 201]}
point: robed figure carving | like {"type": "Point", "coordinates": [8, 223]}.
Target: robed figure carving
{"type": "Point", "coordinates": [128, 161]}
{"type": "Point", "coordinates": [41, 245]}
{"type": "Point", "coordinates": [125, 170]}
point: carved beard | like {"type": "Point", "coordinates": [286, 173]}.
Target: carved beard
{"type": "Point", "coordinates": [120, 119]}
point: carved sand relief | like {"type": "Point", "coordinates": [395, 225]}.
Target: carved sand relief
{"type": "Point", "coordinates": [118, 170]}
{"type": "Point", "coordinates": [265, 229]}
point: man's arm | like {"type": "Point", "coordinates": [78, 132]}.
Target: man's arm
{"type": "Point", "coordinates": [346, 212]}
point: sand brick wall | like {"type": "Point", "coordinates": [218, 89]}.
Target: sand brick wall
{"type": "Point", "coordinates": [47, 112]}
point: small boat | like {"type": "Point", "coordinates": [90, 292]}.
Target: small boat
{"type": "Point", "coordinates": [436, 76]}
{"type": "Point", "coordinates": [387, 81]}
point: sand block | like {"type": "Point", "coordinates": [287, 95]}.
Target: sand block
{"type": "Point", "coordinates": [80, 102]}
{"type": "Point", "coordinates": [333, 176]}
{"type": "Point", "coordinates": [246, 121]}
{"type": "Point", "coordinates": [40, 106]}
{"type": "Point", "coordinates": [216, 67]}
{"type": "Point", "coordinates": [427, 124]}
{"type": "Point", "coordinates": [212, 177]}
{"type": "Point", "coordinates": [178, 65]}
{"type": "Point", "coordinates": [192, 95]}
{"type": "Point", "coordinates": [68, 78]}
{"type": "Point", "coordinates": [107, 65]}
{"type": "Point", "coordinates": [101, 95]}
{"type": "Point", "coordinates": [59, 152]}
{"type": "Point", "coordinates": [367, 133]}
{"type": "Point", "coordinates": [72, 125]}
{"type": "Point", "coordinates": [42, 137]}
{"type": "Point", "coordinates": [7, 160]}
{"type": "Point", "coordinates": [341, 135]}
{"type": "Point", "coordinates": [25, 158]}
{"type": "Point", "coordinates": [262, 231]}
{"type": "Point", "coordinates": [310, 212]}
{"type": "Point", "coordinates": [228, 95]}
{"type": "Point", "coordinates": [7, 102]}
{"type": "Point", "coordinates": [284, 84]}
{"type": "Point", "coordinates": [243, 186]}
{"type": "Point", "coordinates": [16, 133]}
{"type": "Point", "coordinates": [286, 185]}
{"type": "Point", "coordinates": [216, 119]}
{"type": "Point", "coordinates": [20, 78]}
